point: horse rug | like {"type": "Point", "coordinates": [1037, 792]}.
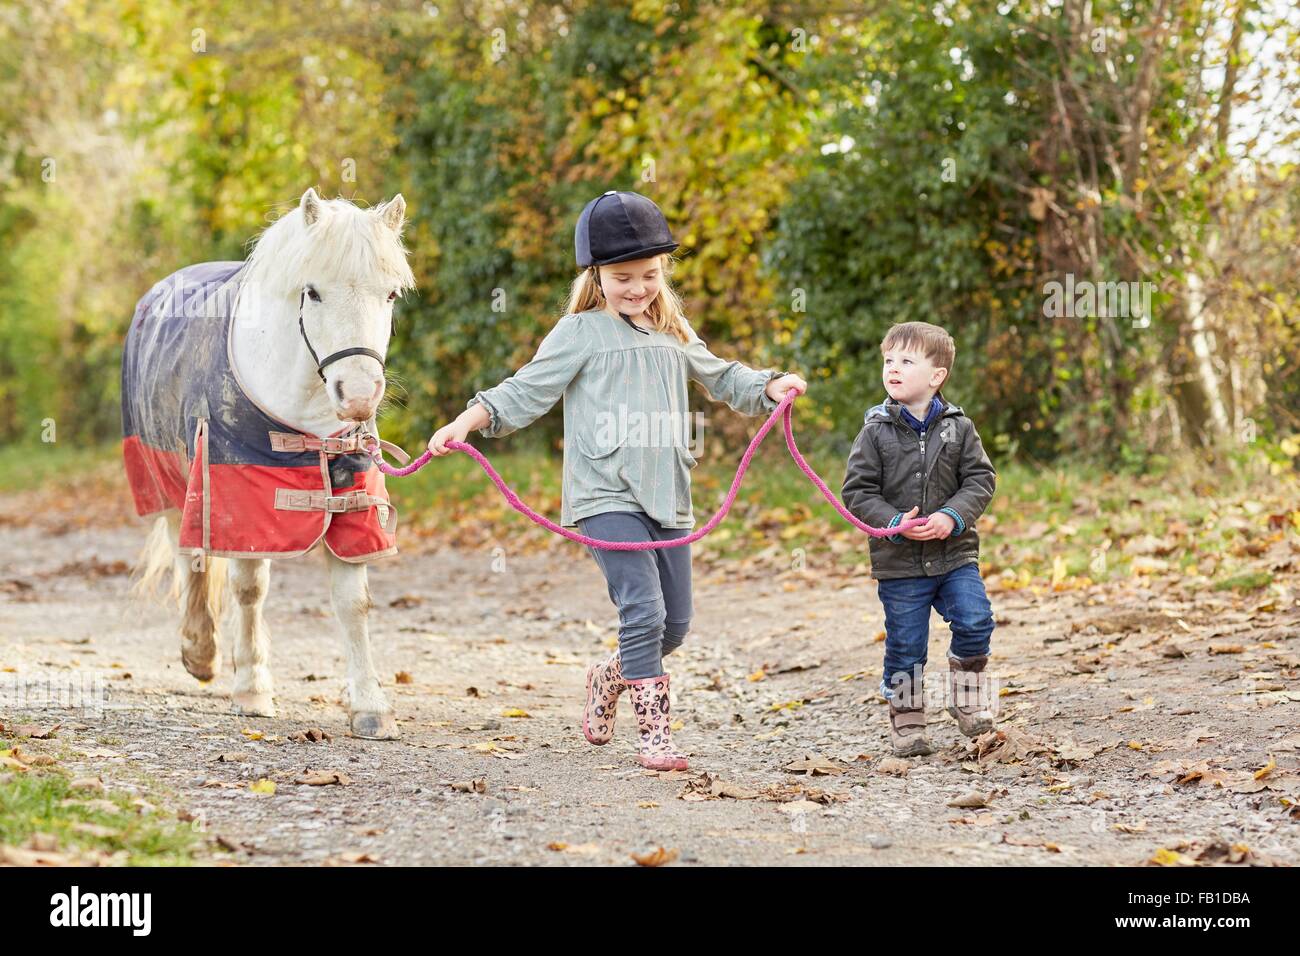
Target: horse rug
{"type": "Point", "coordinates": [246, 484]}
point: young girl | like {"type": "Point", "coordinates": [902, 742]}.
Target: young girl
{"type": "Point", "coordinates": [621, 356]}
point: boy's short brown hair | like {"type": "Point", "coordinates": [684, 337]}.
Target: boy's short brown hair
{"type": "Point", "coordinates": [930, 340]}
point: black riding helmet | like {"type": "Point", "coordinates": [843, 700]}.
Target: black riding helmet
{"type": "Point", "coordinates": [618, 227]}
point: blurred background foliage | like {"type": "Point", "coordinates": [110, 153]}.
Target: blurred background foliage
{"type": "Point", "coordinates": [830, 169]}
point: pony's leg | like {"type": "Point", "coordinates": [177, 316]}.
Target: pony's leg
{"type": "Point", "coordinates": [253, 694]}
{"type": "Point", "coordinates": [369, 712]}
{"type": "Point", "coordinates": [200, 607]}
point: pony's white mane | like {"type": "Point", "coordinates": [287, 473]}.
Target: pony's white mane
{"type": "Point", "coordinates": [345, 242]}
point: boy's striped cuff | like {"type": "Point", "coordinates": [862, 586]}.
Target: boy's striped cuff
{"type": "Point", "coordinates": [961, 525]}
{"type": "Point", "coordinates": [893, 523]}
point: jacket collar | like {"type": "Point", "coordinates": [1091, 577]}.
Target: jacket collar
{"type": "Point", "coordinates": [891, 410]}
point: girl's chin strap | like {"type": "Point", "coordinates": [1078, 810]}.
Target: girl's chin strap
{"type": "Point", "coordinates": [629, 321]}
{"type": "Point", "coordinates": [595, 272]}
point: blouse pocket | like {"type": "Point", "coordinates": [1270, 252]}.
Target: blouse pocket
{"type": "Point", "coordinates": [600, 468]}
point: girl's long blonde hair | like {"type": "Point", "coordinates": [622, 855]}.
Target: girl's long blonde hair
{"type": "Point", "coordinates": [664, 311]}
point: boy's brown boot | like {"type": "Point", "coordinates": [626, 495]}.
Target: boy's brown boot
{"type": "Point", "coordinates": [907, 725]}
{"type": "Point", "coordinates": [969, 691]}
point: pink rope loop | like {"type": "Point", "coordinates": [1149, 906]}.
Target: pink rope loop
{"type": "Point", "coordinates": [783, 410]}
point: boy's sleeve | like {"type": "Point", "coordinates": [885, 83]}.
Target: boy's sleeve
{"type": "Point", "coordinates": [741, 387]}
{"type": "Point", "coordinates": [977, 483]}
{"type": "Point", "coordinates": [533, 390]}
{"type": "Point", "coordinates": [862, 485]}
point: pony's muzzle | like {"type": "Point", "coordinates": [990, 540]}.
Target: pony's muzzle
{"type": "Point", "coordinates": [357, 408]}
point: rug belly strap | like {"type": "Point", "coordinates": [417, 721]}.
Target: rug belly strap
{"type": "Point", "coordinates": [294, 499]}
{"type": "Point", "coordinates": [342, 445]}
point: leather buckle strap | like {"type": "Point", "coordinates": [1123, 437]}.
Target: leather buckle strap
{"type": "Point", "coordinates": [294, 499]}
{"type": "Point", "coordinates": [339, 445]}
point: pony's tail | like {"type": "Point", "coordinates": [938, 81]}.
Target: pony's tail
{"type": "Point", "coordinates": [208, 585]}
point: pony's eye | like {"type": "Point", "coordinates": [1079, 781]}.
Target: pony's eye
{"type": "Point", "coordinates": [392, 296]}
{"type": "Point", "coordinates": [313, 294]}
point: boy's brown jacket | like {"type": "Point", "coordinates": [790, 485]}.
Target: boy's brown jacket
{"type": "Point", "coordinates": [891, 470]}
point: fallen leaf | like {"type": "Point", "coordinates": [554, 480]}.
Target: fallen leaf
{"type": "Point", "coordinates": [477, 785]}
{"type": "Point", "coordinates": [895, 766]}
{"type": "Point", "coordinates": [322, 778]}
{"type": "Point", "coordinates": [262, 786]}
{"type": "Point", "coordinates": [355, 858]}
{"type": "Point", "coordinates": [18, 856]}
{"type": "Point", "coordinates": [656, 857]}
{"type": "Point", "coordinates": [584, 849]}
{"type": "Point", "coordinates": [36, 732]}
{"type": "Point", "coordinates": [1005, 746]}
{"type": "Point", "coordinates": [814, 766]}
{"type": "Point", "coordinates": [971, 799]}
{"type": "Point", "coordinates": [709, 787]}
{"type": "Point", "coordinates": [1029, 841]}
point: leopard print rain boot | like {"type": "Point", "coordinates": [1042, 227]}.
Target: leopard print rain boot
{"type": "Point", "coordinates": [604, 685]}
{"type": "Point", "coordinates": [650, 704]}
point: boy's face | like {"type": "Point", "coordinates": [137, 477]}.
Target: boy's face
{"type": "Point", "coordinates": [909, 376]}
{"type": "Point", "coordinates": [630, 287]}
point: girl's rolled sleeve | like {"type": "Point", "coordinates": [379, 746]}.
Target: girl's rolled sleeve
{"type": "Point", "coordinates": [533, 390]}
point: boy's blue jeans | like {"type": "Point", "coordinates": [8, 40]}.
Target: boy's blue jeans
{"type": "Point", "coordinates": [958, 596]}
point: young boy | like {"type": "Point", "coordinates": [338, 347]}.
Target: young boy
{"type": "Point", "coordinates": [917, 453]}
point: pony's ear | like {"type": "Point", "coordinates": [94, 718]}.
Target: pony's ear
{"type": "Point", "coordinates": [393, 213]}
{"type": "Point", "coordinates": [310, 206]}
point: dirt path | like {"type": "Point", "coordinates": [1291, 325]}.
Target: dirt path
{"type": "Point", "coordinates": [1107, 708]}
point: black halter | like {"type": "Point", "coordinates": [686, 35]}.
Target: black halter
{"type": "Point", "coordinates": [341, 353]}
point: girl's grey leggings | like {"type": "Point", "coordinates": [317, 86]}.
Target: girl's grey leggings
{"type": "Point", "coordinates": [651, 589]}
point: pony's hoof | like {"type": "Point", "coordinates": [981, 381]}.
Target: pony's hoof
{"type": "Point", "coordinates": [374, 726]}
{"type": "Point", "coordinates": [253, 705]}
{"type": "Point", "coordinates": [204, 667]}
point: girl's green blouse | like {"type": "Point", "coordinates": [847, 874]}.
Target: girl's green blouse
{"type": "Point", "coordinates": [627, 425]}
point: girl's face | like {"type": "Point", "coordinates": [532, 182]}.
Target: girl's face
{"type": "Point", "coordinates": [630, 287]}
{"type": "Point", "coordinates": [909, 375]}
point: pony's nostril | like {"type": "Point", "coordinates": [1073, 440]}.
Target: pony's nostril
{"type": "Point", "coordinates": [379, 388]}
{"type": "Point", "coordinates": [338, 389]}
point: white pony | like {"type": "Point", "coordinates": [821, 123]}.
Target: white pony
{"type": "Point", "coordinates": [309, 327]}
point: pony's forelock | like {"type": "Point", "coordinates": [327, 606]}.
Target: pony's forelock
{"type": "Point", "coordinates": [345, 242]}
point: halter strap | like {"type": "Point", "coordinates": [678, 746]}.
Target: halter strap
{"type": "Point", "coordinates": [333, 356]}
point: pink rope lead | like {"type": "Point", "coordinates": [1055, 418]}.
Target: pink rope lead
{"type": "Point", "coordinates": [783, 409]}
